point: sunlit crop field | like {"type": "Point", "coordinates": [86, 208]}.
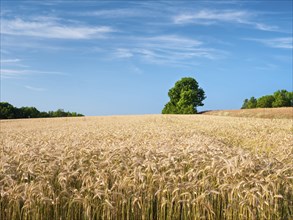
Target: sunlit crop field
{"type": "Point", "coordinates": [273, 113]}
{"type": "Point", "coordinates": [146, 167]}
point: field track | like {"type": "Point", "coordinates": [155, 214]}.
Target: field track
{"type": "Point", "coordinates": [146, 167]}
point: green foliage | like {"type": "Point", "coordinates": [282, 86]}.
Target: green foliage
{"type": "Point", "coordinates": [252, 103]}
{"type": "Point", "coordinates": [8, 111]}
{"type": "Point", "coordinates": [185, 96]}
{"type": "Point", "coordinates": [281, 98]}
{"type": "Point", "coordinates": [245, 104]}
{"type": "Point", "coordinates": [28, 112]}
{"type": "Point", "coordinates": [265, 101]}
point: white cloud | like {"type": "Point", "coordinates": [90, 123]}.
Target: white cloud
{"type": "Point", "coordinates": [209, 17]}
{"type": "Point", "coordinates": [123, 53]}
{"type": "Point", "coordinates": [18, 73]}
{"type": "Point", "coordinates": [265, 27]}
{"type": "Point", "coordinates": [2, 51]}
{"type": "Point", "coordinates": [282, 43]}
{"type": "Point", "coordinates": [285, 43]}
{"type": "Point", "coordinates": [52, 29]}
{"type": "Point", "coordinates": [12, 62]}
{"type": "Point", "coordinates": [9, 61]}
{"type": "Point", "coordinates": [115, 13]}
{"type": "Point", "coordinates": [167, 49]}
{"type": "Point", "coordinates": [267, 66]}
{"type": "Point", "coordinates": [171, 42]}
{"type": "Point", "coordinates": [12, 73]}
{"type": "Point", "coordinates": [37, 89]}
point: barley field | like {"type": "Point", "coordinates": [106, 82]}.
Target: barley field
{"type": "Point", "coordinates": [146, 167]}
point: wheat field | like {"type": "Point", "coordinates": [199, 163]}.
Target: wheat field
{"type": "Point", "coordinates": [146, 167]}
{"type": "Point", "coordinates": [272, 113]}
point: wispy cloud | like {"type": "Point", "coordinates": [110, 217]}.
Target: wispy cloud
{"type": "Point", "coordinates": [17, 73]}
{"type": "Point", "coordinates": [3, 52]}
{"type": "Point", "coordinates": [7, 61]}
{"type": "Point", "coordinates": [123, 53]}
{"type": "Point", "coordinates": [171, 42]}
{"type": "Point", "coordinates": [263, 27]}
{"type": "Point", "coordinates": [115, 13]}
{"type": "Point", "coordinates": [267, 66]}
{"type": "Point", "coordinates": [210, 17]}
{"type": "Point", "coordinates": [167, 49]}
{"type": "Point", "coordinates": [135, 69]}
{"type": "Point", "coordinates": [37, 89]}
{"type": "Point", "coordinates": [12, 63]}
{"type": "Point", "coordinates": [52, 29]}
{"type": "Point", "coordinates": [283, 43]}
{"type": "Point", "coordinates": [12, 73]}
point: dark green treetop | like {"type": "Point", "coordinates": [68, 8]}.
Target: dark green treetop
{"type": "Point", "coordinates": [185, 96]}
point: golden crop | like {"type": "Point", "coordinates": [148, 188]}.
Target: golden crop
{"type": "Point", "coordinates": [283, 112]}
{"type": "Point", "coordinates": [146, 167]}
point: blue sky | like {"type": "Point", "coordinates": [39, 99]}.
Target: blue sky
{"type": "Point", "coordinates": [122, 57]}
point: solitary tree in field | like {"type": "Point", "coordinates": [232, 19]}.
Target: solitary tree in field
{"type": "Point", "coordinates": [185, 96]}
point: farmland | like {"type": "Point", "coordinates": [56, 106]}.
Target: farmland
{"type": "Point", "coordinates": [146, 167]}
{"type": "Point", "coordinates": [272, 113]}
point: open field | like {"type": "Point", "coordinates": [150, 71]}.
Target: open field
{"type": "Point", "coordinates": [285, 112]}
{"type": "Point", "coordinates": [146, 167]}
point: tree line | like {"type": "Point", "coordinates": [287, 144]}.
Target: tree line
{"type": "Point", "coordinates": [280, 98]}
{"type": "Point", "coordinates": [8, 111]}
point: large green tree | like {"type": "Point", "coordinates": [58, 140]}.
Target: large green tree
{"type": "Point", "coordinates": [185, 96]}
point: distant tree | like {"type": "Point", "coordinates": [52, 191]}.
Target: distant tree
{"type": "Point", "coordinates": [252, 103]}
{"type": "Point", "coordinates": [30, 112]}
{"type": "Point", "coordinates": [7, 111]}
{"type": "Point", "coordinates": [73, 114]}
{"type": "Point", "coordinates": [245, 104]}
{"type": "Point", "coordinates": [185, 96]}
{"type": "Point", "coordinates": [59, 113]}
{"type": "Point", "coordinates": [265, 101]}
{"type": "Point", "coordinates": [290, 97]}
{"type": "Point", "coordinates": [282, 99]}
{"type": "Point", "coordinates": [44, 115]}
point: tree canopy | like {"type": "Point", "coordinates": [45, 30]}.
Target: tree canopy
{"type": "Point", "coordinates": [8, 111]}
{"type": "Point", "coordinates": [280, 98]}
{"type": "Point", "coordinates": [185, 96]}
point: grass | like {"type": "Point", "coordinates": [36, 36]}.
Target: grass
{"type": "Point", "coordinates": [146, 167]}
